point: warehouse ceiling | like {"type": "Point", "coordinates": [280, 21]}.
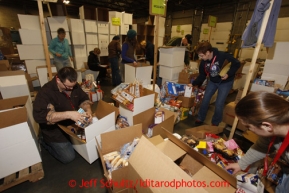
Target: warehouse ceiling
{"type": "Point", "coordinates": [139, 8]}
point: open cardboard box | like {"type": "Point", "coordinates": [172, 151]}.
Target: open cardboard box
{"type": "Point", "coordinates": [186, 78]}
{"type": "Point", "coordinates": [200, 132]}
{"type": "Point", "coordinates": [14, 84]}
{"type": "Point", "coordinates": [142, 103]}
{"type": "Point", "coordinates": [154, 162]}
{"type": "Point", "coordinates": [106, 115]}
{"type": "Point", "coordinates": [113, 141]}
{"type": "Point", "coordinates": [187, 102]}
{"type": "Point", "coordinates": [146, 118]}
{"type": "Point", "coordinates": [17, 139]}
{"type": "Point", "coordinates": [141, 71]}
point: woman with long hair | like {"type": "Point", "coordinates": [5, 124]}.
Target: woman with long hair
{"type": "Point", "coordinates": [267, 115]}
{"type": "Point", "coordinates": [128, 51]}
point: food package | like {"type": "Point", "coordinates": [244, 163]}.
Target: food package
{"type": "Point", "coordinates": [220, 147]}
{"type": "Point", "coordinates": [119, 159]}
{"type": "Point", "coordinates": [121, 122]}
{"type": "Point", "coordinates": [190, 140]}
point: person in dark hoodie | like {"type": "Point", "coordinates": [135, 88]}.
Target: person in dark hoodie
{"type": "Point", "coordinates": [211, 65]}
{"type": "Point", "coordinates": [93, 63]}
{"type": "Point", "coordinates": [114, 51]}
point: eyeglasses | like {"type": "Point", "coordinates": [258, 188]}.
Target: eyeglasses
{"type": "Point", "coordinates": [68, 88]}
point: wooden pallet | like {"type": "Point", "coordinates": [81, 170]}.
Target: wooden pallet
{"type": "Point", "coordinates": [32, 173]}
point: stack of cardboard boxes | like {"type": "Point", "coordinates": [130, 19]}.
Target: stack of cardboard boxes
{"type": "Point", "coordinates": [171, 63]}
{"type": "Point", "coordinates": [18, 142]}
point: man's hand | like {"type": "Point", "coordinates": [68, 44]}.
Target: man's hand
{"type": "Point", "coordinates": [89, 116]}
{"type": "Point", "coordinates": [71, 58]}
{"type": "Point", "coordinates": [135, 63]}
{"type": "Point", "coordinates": [224, 77]}
{"type": "Point", "coordinates": [58, 55]}
{"type": "Point", "coordinates": [76, 116]}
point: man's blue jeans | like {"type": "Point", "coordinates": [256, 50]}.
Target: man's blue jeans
{"type": "Point", "coordinates": [114, 64]}
{"type": "Point", "coordinates": [63, 152]}
{"type": "Point", "coordinates": [223, 91]}
{"type": "Point", "coordinates": [60, 63]}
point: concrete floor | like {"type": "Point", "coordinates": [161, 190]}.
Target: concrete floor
{"type": "Point", "coordinates": [59, 176]}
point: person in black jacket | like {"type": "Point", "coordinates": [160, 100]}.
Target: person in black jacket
{"type": "Point", "coordinates": [93, 63]}
{"type": "Point", "coordinates": [211, 65]}
{"type": "Point", "coordinates": [56, 103]}
{"type": "Point", "coordinates": [148, 49]}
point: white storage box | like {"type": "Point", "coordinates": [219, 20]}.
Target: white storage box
{"type": "Point", "coordinates": [90, 26]}
{"type": "Point", "coordinates": [103, 27]}
{"type": "Point", "coordinates": [172, 56]}
{"type": "Point", "coordinates": [13, 84]}
{"type": "Point", "coordinates": [17, 144]}
{"type": "Point", "coordinates": [78, 38]}
{"type": "Point", "coordinates": [91, 38]}
{"type": "Point", "coordinates": [106, 115]}
{"type": "Point", "coordinates": [170, 73]}
{"type": "Point", "coordinates": [140, 72]}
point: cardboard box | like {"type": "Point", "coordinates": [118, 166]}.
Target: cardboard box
{"type": "Point", "coordinates": [186, 78]}
{"type": "Point", "coordinates": [106, 115]}
{"type": "Point", "coordinates": [146, 118]}
{"type": "Point", "coordinates": [229, 116]}
{"type": "Point", "coordinates": [186, 101]}
{"type": "Point", "coordinates": [200, 132]}
{"type": "Point", "coordinates": [170, 73]}
{"type": "Point", "coordinates": [149, 162]}
{"type": "Point", "coordinates": [172, 56]}
{"type": "Point", "coordinates": [141, 72]}
{"type": "Point", "coordinates": [14, 84]}
{"type": "Point", "coordinates": [140, 104]}
{"type": "Point", "coordinates": [119, 138]}
{"type": "Point", "coordinates": [4, 65]}
{"type": "Point", "coordinates": [17, 139]}
{"type": "Point", "coordinates": [153, 161]}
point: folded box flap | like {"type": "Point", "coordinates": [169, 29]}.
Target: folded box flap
{"type": "Point", "coordinates": [114, 140]}
{"type": "Point", "coordinates": [104, 109]}
{"type": "Point", "coordinates": [70, 133]}
{"type": "Point", "coordinates": [12, 117]}
{"type": "Point", "coordinates": [151, 164]}
{"type": "Point", "coordinates": [11, 103]}
{"type": "Point", "coordinates": [171, 150]}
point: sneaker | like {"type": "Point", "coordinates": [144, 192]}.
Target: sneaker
{"type": "Point", "coordinates": [198, 123]}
